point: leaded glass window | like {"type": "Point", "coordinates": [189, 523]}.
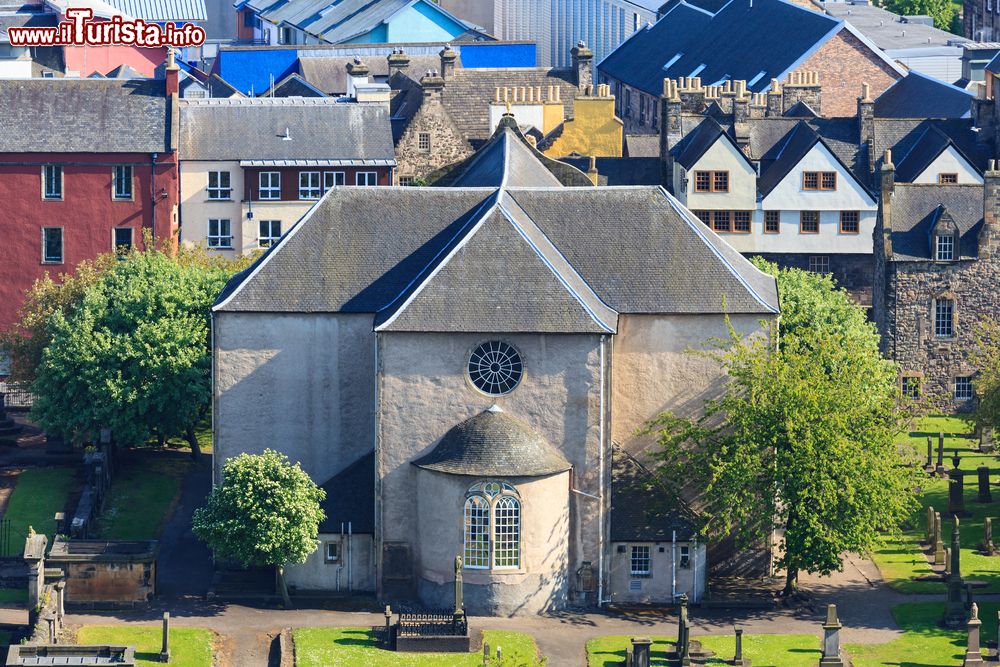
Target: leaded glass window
{"type": "Point", "coordinates": [495, 368]}
{"type": "Point", "coordinates": [477, 532]}
{"type": "Point", "coordinates": [492, 520]}
{"type": "Point", "coordinates": [507, 532]}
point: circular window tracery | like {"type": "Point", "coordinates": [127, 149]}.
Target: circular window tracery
{"type": "Point", "coordinates": [495, 368]}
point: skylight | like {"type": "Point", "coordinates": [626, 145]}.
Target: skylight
{"type": "Point", "coordinates": [672, 61]}
{"type": "Point", "coordinates": [760, 75]}
{"type": "Point", "coordinates": [697, 70]}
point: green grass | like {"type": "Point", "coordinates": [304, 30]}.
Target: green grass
{"type": "Point", "coordinates": [924, 643]}
{"type": "Point", "coordinates": [901, 560]}
{"type": "Point", "coordinates": [203, 432]}
{"type": "Point", "coordinates": [763, 650]}
{"type": "Point", "coordinates": [189, 647]}
{"type": "Point", "coordinates": [38, 494]}
{"type": "Point", "coordinates": [13, 595]}
{"type": "Point", "coordinates": [142, 491]}
{"type": "Point", "coordinates": [355, 647]}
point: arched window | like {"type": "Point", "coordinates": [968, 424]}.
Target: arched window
{"type": "Point", "coordinates": [493, 504]}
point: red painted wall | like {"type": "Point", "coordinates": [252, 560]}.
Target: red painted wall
{"type": "Point", "coordinates": [290, 179]}
{"type": "Point", "coordinates": [89, 59]}
{"type": "Point", "coordinates": [86, 213]}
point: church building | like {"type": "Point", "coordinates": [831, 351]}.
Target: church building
{"type": "Point", "coordinates": [465, 368]}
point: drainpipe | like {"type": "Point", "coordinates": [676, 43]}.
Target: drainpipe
{"type": "Point", "coordinates": [152, 194]}
{"type": "Point", "coordinates": [340, 565]}
{"type": "Point", "coordinates": [350, 575]}
{"type": "Point", "coordinates": [673, 566]}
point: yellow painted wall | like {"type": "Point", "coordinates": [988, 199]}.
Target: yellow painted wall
{"type": "Point", "coordinates": [593, 130]}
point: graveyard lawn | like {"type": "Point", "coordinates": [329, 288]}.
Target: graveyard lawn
{"type": "Point", "coordinates": [902, 560]}
{"type": "Point", "coordinates": [924, 642]}
{"type": "Point", "coordinates": [189, 647]}
{"type": "Point", "coordinates": [143, 490]}
{"type": "Point", "coordinates": [762, 650]}
{"type": "Point", "coordinates": [38, 494]}
{"type": "Point", "coordinates": [202, 432]}
{"type": "Point", "coordinates": [355, 647]}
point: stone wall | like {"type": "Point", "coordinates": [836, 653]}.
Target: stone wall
{"type": "Point", "coordinates": [447, 146]}
{"type": "Point", "coordinates": [853, 272]}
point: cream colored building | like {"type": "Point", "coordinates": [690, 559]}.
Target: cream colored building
{"type": "Point", "coordinates": [464, 366]}
{"type": "Point", "coordinates": [252, 167]}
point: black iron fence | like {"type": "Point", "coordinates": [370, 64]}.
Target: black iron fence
{"type": "Point", "coordinates": [17, 396]}
{"type": "Point", "coordinates": [431, 624]}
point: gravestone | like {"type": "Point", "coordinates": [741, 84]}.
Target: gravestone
{"type": "Point", "coordinates": [459, 612]}
{"type": "Point", "coordinates": [956, 492]}
{"type": "Point", "coordinates": [954, 613]}
{"type": "Point", "coordinates": [831, 639]}
{"type": "Point", "coordinates": [984, 485]}
{"type": "Point", "coordinates": [165, 649]}
{"type": "Point", "coordinates": [947, 561]}
{"type": "Point", "coordinates": [987, 546]}
{"type": "Point", "coordinates": [641, 651]}
{"type": "Point", "coordinates": [929, 464]}
{"type": "Point", "coordinates": [940, 454]}
{"type": "Point", "coordinates": [929, 533]}
{"type": "Point", "coordinates": [985, 440]}
{"type": "Point", "coordinates": [939, 555]}
{"type": "Point", "coordinates": [973, 652]}
{"type": "Point", "coordinates": [738, 659]}
{"type": "Point", "coordinates": [684, 633]}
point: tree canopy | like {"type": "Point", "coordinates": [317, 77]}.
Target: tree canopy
{"type": "Point", "coordinates": [123, 345]}
{"type": "Point", "coordinates": [266, 512]}
{"type": "Point", "coordinates": [801, 443]}
{"type": "Point", "coordinates": [985, 356]}
{"type": "Point", "coordinates": [944, 12]}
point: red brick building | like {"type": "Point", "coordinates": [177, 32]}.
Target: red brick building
{"type": "Point", "coordinates": [85, 165]}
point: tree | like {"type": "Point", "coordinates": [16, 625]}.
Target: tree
{"type": "Point", "coordinates": [943, 12]}
{"type": "Point", "coordinates": [802, 439]}
{"type": "Point", "coordinates": [985, 356]}
{"type": "Point", "coordinates": [126, 346]}
{"type": "Point", "coordinates": [266, 512]}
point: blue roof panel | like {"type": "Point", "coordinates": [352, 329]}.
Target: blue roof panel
{"type": "Point", "coordinates": [492, 54]}
{"type": "Point", "coordinates": [252, 69]}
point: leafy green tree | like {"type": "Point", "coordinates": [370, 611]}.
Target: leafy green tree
{"type": "Point", "coordinates": [128, 347]}
{"type": "Point", "coordinates": [801, 443]}
{"type": "Point", "coordinates": [985, 356]}
{"type": "Point", "coordinates": [266, 513]}
{"type": "Point", "coordinates": [943, 12]}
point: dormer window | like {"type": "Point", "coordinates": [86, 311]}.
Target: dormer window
{"type": "Point", "coordinates": [944, 248]}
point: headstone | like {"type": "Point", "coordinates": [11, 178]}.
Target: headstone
{"type": "Point", "coordinates": [954, 613]}
{"type": "Point", "coordinates": [629, 657]}
{"type": "Point", "coordinates": [165, 650]}
{"type": "Point", "coordinates": [929, 533]}
{"type": "Point", "coordinates": [640, 651]}
{"type": "Point", "coordinates": [947, 561]}
{"type": "Point", "coordinates": [499, 654]}
{"type": "Point", "coordinates": [486, 653]}
{"type": "Point", "coordinates": [831, 639]}
{"type": "Point", "coordinates": [984, 485]}
{"type": "Point", "coordinates": [684, 633]}
{"type": "Point", "coordinates": [973, 653]}
{"type": "Point", "coordinates": [738, 659]}
{"type": "Point", "coordinates": [956, 492]}
{"type": "Point", "coordinates": [939, 555]}
{"type": "Point", "coordinates": [940, 454]}
{"type": "Point", "coordinates": [988, 547]}
{"type": "Point", "coordinates": [459, 612]}
{"type": "Point", "coordinates": [929, 465]}
{"type": "Point", "coordinates": [985, 439]}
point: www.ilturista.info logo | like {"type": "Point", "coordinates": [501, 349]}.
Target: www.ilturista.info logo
{"type": "Point", "coordinates": [80, 30]}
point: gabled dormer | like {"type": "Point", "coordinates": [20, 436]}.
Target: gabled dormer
{"type": "Point", "coordinates": [945, 237]}
{"type": "Point", "coordinates": [712, 173]}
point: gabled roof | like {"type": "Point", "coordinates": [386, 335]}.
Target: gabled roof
{"type": "Point", "coordinates": [920, 96]}
{"type": "Point", "coordinates": [906, 135]}
{"type": "Point", "coordinates": [931, 144]}
{"type": "Point", "coordinates": [697, 143]}
{"type": "Point", "coordinates": [329, 72]}
{"type": "Point", "coordinates": [755, 42]}
{"type": "Point", "coordinates": [493, 443]}
{"type": "Point", "coordinates": [916, 210]}
{"type": "Point", "coordinates": [147, 10]}
{"type": "Point", "coordinates": [779, 161]}
{"type": "Point", "coordinates": [255, 129]}
{"type": "Point", "coordinates": [350, 498]}
{"type": "Point", "coordinates": [70, 115]}
{"type": "Point", "coordinates": [641, 509]}
{"type": "Point", "coordinates": [293, 85]}
{"type": "Point", "coordinates": [800, 110]}
{"type": "Point", "coordinates": [613, 249]}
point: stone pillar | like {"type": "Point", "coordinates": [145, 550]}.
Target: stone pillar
{"type": "Point", "coordinates": [984, 485]}
{"type": "Point", "coordinates": [683, 633]}
{"type": "Point", "coordinates": [956, 492]}
{"type": "Point", "coordinates": [448, 58]}
{"type": "Point", "coordinates": [738, 659]}
{"type": "Point", "coordinates": [165, 648]}
{"type": "Point", "coordinates": [973, 654]}
{"type": "Point", "coordinates": [939, 556]}
{"type": "Point", "coordinates": [929, 533]}
{"type": "Point", "coordinates": [947, 561]}
{"type": "Point", "coordinates": [988, 548]}
{"type": "Point", "coordinates": [831, 639]}
{"type": "Point", "coordinates": [398, 61]}
{"type": "Point", "coordinates": [583, 61]}
{"type": "Point", "coordinates": [640, 651]}
{"type": "Point", "coordinates": [985, 439]}
{"type": "Point", "coordinates": [929, 465]}
{"type": "Point", "coordinates": [954, 613]}
{"type": "Point", "coordinates": [940, 454]}
{"type": "Point", "coordinates": [34, 557]}
{"type": "Point", "coordinates": [459, 613]}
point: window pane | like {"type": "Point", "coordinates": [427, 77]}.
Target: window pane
{"type": "Point", "coordinates": [741, 221]}
{"type": "Point", "coordinates": [963, 388]}
{"type": "Point", "coordinates": [52, 176]}
{"type": "Point", "coordinates": [829, 180]}
{"type": "Point", "coordinates": [810, 180]}
{"type": "Point", "coordinates": [911, 387]}
{"type": "Point", "coordinates": [270, 185]}
{"type": "Point", "coordinates": [945, 248]}
{"type": "Point", "coordinates": [809, 222]}
{"type": "Point", "coordinates": [850, 222]}
{"type": "Point", "coordinates": [944, 311]}
{"type": "Point", "coordinates": [507, 539]}
{"type": "Point", "coordinates": [123, 182]}
{"type": "Point", "coordinates": [702, 181]}
{"type": "Point", "coordinates": [477, 532]}
{"type": "Point", "coordinates": [720, 181]}
{"type": "Point", "coordinates": [639, 565]}
{"type": "Point", "coordinates": [720, 221]}
{"type": "Point", "coordinates": [772, 222]}
{"type": "Point", "coordinates": [123, 238]}
{"type": "Point", "coordinates": [52, 240]}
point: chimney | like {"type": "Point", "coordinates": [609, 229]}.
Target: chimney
{"type": "Point", "coordinates": [774, 99]}
{"type": "Point", "coordinates": [802, 87]}
{"type": "Point", "coordinates": [592, 170]}
{"type": "Point", "coordinates": [357, 74]}
{"type": "Point", "coordinates": [671, 131]}
{"type": "Point", "coordinates": [583, 61]}
{"type": "Point", "coordinates": [989, 237]}
{"type": "Point", "coordinates": [172, 74]}
{"type": "Point", "coordinates": [448, 58]}
{"type": "Point", "coordinates": [866, 124]}
{"type": "Point", "coordinates": [885, 205]}
{"type": "Point", "coordinates": [432, 84]}
{"type": "Point", "coordinates": [398, 61]}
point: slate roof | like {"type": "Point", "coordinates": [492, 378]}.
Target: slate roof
{"type": "Point", "coordinates": [494, 443]}
{"type": "Point", "coordinates": [350, 497]}
{"type": "Point", "coordinates": [27, 16]}
{"type": "Point", "coordinates": [642, 145]}
{"type": "Point", "coordinates": [781, 158]}
{"type": "Point", "coordinates": [915, 136]}
{"type": "Point", "coordinates": [329, 73]}
{"type": "Point", "coordinates": [293, 85]}
{"type": "Point", "coordinates": [84, 116]}
{"type": "Point", "coordinates": [738, 42]}
{"type": "Point", "coordinates": [641, 509]}
{"type": "Point", "coordinates": [620, 249]}
{"type": "Point", "coordinates": [697, 143]}
{"type": "Point", "coordinates": [320, 129]}
{"type": "Point", "coordinates": [920, 96]}
{"type": "Point", "coordinates": [887, 30]}
{"type": "Point", "coordinates": [917, 208]}
{"type": "Point", "coordinates": [622, 170]}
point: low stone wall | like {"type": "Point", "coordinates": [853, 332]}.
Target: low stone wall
{"type": "Point", "coordinates": [106, 574]}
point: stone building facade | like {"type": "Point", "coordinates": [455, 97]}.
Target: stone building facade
{"type": "Point", "coordinates": [937, 263]}
{"type": "Point", "coordinates": [981, 20]}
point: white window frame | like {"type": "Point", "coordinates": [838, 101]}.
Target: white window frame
{"type": "Point", "coordinates": [313, 188]}
{"type": "Point", "coordinates": [685, 560]}
{"type": "Point", "coordinates": [125, 180]}
{"type": "Point", "coordinates": [326, 551]}
{"type": "Point", "coordinates": [369, 176]}
{"type": "Point", "coordinates": [635, 555]}
{"type": "Point", "coordinates": [420, 142]}
{"type": "Point", "coordinates": [944, 318]}
{"type": "Point", "coordinates": [218, 240]}
{"type": "Point", "coordinates": [272, 190]}
{"type": "Point", "coordinates": [334, 179]}
{"type": "Point", "coordinates": [220, 192]}
{"type": "Point", "coordinates": [114, 238]}
{"type": "Point", "coordinates": [963, 389]}
{"type": "Point", "coordinates": [944, 248]}
{"type": "Point", "coordinates": [52, 195]}
{"type": "Point", "coordinates": [62, 246]}
{"type": "Point", "coordinates": [494, 509]}
{"type": "Point", "coordinates": [269, 239]}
